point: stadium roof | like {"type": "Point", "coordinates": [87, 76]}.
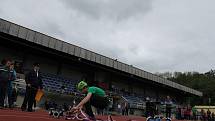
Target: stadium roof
{"type": "Point", "coordinates": [50, 42]}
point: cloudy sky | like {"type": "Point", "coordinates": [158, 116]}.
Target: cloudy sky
{"type": "Point", "coordinates": [154, 35]}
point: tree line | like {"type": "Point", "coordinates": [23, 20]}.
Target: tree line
{"type": "Point", "coordinates": [204, 82]}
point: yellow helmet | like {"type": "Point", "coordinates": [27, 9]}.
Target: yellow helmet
{"type": "Point", "coordinates": [81, 85]}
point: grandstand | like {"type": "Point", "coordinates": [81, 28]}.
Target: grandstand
{"type": "Point", "coordinates": [53, 83]}
{"type": "Point", "coordinates": [64, 64]}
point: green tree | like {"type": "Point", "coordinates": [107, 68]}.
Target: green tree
{"type": "Point", "coordinates": [204, 82]}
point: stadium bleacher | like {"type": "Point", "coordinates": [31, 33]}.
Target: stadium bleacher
{"type": "Point", "coordinates": [59, 84]}
{"type": "Point", "coordinates": [134, 101]}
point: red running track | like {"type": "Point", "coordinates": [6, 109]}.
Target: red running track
{"type": "Point", "coordinates": [18, 115]}
{"type": "Point", "coordinates": [41, 115]}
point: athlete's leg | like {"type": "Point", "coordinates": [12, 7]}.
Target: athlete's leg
{"type": "Point", "coordinates": [89, 109]}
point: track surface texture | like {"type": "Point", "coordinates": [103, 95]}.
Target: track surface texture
{"type": "Point", "coordinates": [41, 115]}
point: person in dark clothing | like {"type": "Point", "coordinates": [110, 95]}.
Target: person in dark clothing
{"type": "Point", "coordinates": [147, 112]}
{"type": "Point", "coordinates": [4, 78]}
{"type": "Point", "coordinates": [149, 108]}
{"type": "Point", "coordinates": [33, 83]}
{"type": "Point", "coordinates": [35, 104]}
{"type": "Point", "coordinates": [125, 108]}
{"type": "Point", "coordinates": [209, 115]}
{"type": "Point", "coordinates": [46, 104]}
{"type": "Point", "coordinates": [14, 94]}
{"type": "Point", "coordinates": [213, 117]}
{"type": "Point", "coordinates": [10, 84]}
{"type": "Point", "coordinates": [168, 103]}
{"type": "Point", "coordinates": [179, 111]}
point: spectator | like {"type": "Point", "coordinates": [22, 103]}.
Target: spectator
{"type": "Point", "coordinates": [14, 94]}
{"type": "Point", "coordinates": [205, 116]}
{"type": "Point", "coordinates": [179, 112]}
{"type": "Point", "coordinates": [123, 108]}
{"type": "Point", "coordinates": [201, 114]}
{"type": "Point", "coordinates": [110, 106]}
{"type": "Point", "coordinates": [209, 115]}
{"type": "Point", "coordinates": [149, 109]}
{"type": "Point", "coordinates": [168, 103]}
{"type": "Point", "coordinates": [213, 117]}
{"type": "Point", "coordinates": [189, 110]}
{"type": "Point", "coordinates": [119, 108]}
{"type": "Point", "coordinates": [4, 78]}
{"type": "Point", "coordinates": [35, 104]}
{"type": "Point", "coordinates": [126, 108]}
{"type": "Point", "coordinates": [183, 110]}
{"type": "Point", "coordinates": [33, 83]}
{"type": "Point", "coordinates": [185, 113]}
{"type": "Point", "coordinates": [194, 111]}
{"type": "Point", "coordinates": [10, 85]}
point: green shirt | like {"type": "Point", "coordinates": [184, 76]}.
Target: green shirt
{"type": "Point", "coordinates": [96, 91]}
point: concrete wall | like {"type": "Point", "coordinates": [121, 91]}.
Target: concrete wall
{"type": "Point", "coordinates": [10, 53]}
{"type": "Point", "coordinates": [47, 65]}
{"type": "Point", "coordinates": [151, 91]}
{"type": "Point", "coordinates": [102, 76]}
{"type": "Point", "coordinates": [68, 70]}
{"type": "Point", "coordinates": [139, 88]}
{"type": "Point", "coordinates": [120, 83]}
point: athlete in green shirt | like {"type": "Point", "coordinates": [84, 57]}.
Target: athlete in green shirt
{"type": "Point", "coordinates": [94, 97]}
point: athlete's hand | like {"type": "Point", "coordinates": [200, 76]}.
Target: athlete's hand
{"type": "Point", "coordinates": [80, 107]}
{"type": "Point", "coordinates": [75, 108]}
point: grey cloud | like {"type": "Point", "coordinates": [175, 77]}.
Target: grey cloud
{"type": "Point", "coordinates": [154, 35]}
{"type": "Point", "coordinates": [110, 9]}
{"type": "Point", "coordinates": [53, 28]}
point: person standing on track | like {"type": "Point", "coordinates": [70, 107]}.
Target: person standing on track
{"type": "Point", "coordinates": [94, 97]}
{"type": "Point", "coordinates": [4, 78]}
{"type": "Point", "coordinates": [14, 95]}
{"type": "Point", "coordinates": [10, 84]}
{"type": "Point", "coordinates": [168, 103]}
{"type": "Point", "coordinates": [33, 83]}
{"type": "Point", "coordinates": [126, 108]}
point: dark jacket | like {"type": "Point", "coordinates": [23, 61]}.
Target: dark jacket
{"type": "Point", "coordinates": [4, 75]}
{"type": "Point", "coordinates": [32, 79]}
